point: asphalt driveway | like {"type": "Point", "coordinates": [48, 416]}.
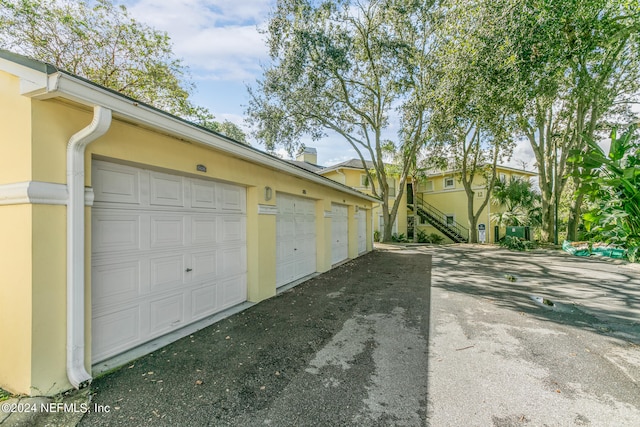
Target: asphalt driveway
{"type": "Point", "coordinates": [536, 339]}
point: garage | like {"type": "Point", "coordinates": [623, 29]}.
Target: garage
{"type": "Point", "coordinates": [295, 238]}
{"type": "Point", "coordinates": [339, 233]}
{"type": "Point", "coordinates": [361, 217]}
{"type": "Point", "coordinates": [167, 250]}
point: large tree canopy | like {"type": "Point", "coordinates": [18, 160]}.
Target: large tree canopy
{"type": "Point", "coordinates": [356, 68]}
{"type": "Point", "coordinates": [101, 42]}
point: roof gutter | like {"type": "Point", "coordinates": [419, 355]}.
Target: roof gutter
{"type": "Point", "coordinates": [76, 371]}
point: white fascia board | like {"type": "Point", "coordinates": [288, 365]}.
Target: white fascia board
{"type": "Point", "coordinates": [78, 90]}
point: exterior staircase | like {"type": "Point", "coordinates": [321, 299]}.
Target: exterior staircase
{"type": "Point", "coordinates": [455, 231]}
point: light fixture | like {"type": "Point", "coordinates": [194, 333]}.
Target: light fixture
{"type": "Point", "coordinates": [268, 193]}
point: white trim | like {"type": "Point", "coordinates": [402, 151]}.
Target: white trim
{"type": "Point", "coordinates": [39, 193]}
{"type": "Point", "coordinates": [267, 210]}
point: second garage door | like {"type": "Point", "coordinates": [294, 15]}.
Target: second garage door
{"type": "Point", "coordinates": [167, 250]}
{"type": "Point", "coordinates": [295, 238]}
{"type": "Point", "coordinates": [339, 233]}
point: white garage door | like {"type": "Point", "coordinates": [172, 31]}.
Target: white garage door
{"type": "Point", "coordinates": [339, 233]}
{"type": "Point", "coordinates": [167, 250]}
{"type": "Point", "coordinates": [362, 231]}
{"type": "Point", "coordinates": [295, 238]}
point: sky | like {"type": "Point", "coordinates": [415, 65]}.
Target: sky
{"type": "Point", "coordinates": [221, 43]}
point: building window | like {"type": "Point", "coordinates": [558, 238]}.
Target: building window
{"type": "Point", "coordinates": [449, 183]}
{"type": "Point", "coordinates": [425, 186]}
{"type": "Point", "coordinates": [364, 180]}
{"type": "Point", "coordinates": [503, 177]}
{"type": "Point", "coordinates": [392, 187]}
{"type": "Point", "coordinates": [450, 220]}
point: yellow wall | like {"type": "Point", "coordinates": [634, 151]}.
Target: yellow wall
{"type": "Point", "coordinates": [352, 178]}
{"type": "Point", "coordinates": [454, 201]}
{"type": "Point", "coordinates": [33, 248]}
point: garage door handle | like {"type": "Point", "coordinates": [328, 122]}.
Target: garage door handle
{"type": "Point", "coordinates": [188, 270]}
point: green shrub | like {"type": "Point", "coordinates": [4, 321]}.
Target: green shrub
{"type": "Point", "coordinates": [395, 237]}
{"type": "Point", "coordinates": [517, 244]}
{"type": "Point", "coordinates": [376, 236]}
{"type": "Point", "coordinates": [429, 238]}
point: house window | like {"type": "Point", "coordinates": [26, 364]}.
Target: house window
{"type": "Point", "coordinates": [450, 220]}
{"type": "Point", "coordinates": [503, 177]}
{"type": "Point", "coordinates": [392, 187]}
{"type": "Point", "coordinates": [449, 183]}
{"type": "Point", "coordinates": [364, 180]}
{"type": "Point", "coordinates": [425, 186]}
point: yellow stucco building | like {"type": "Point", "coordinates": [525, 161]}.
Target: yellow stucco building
{"type": "Point", "coordinates": [441, 199]}
{"type": "Point", "coordinates": [121, 224]}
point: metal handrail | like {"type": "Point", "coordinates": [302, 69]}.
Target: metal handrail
{"type": "Point", "coordinates": [456, 227]}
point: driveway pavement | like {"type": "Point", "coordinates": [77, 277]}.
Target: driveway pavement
{"type": "Point", "coordinates": [502, 355]}
{"type": "Point", "coordinates": [514, 339]}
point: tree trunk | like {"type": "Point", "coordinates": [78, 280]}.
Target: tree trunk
{"type": "Point", "coordinates": [416, 218]}
{"type": "Point", "coordinates": [473, 231]}
{"type": "Point", "coordinates": [575, 211]}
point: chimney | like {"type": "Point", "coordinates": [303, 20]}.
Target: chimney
{"type": "Point", "coordinates": [309, 155]}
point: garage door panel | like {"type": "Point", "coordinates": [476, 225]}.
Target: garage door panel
{"type": "Point", "coordinates": [115, 233]}
{"type": "Point", "coordinates": [203, 265]}
{"type": "Point", "coordinates": [232, 198]}
{"type": "Point", "coordinates": [166, 190]}
{"type": "Point", "coordinates": [116, 282]}
{"type": "Point", "coordinates": [232, 229]}
{"type": "Point", "coordinates": [116, 183]}
{"type": "Point", "coordinates": [203, 229]}
{"type": "Point", "coordinates": [203, 194]}
{"type": "Point", "coordinates": [203, 301]}
{"type": "Point", "coordinates": [117, 330]}
{"type": "Point", "coordinates": [231, 261]}
{"type": "Point", "coordinates": [232, 291]}
{"type": "Point", "coordinates": [166, 272]}
{"type": "Point", "coordinates": [166, 314]}
{"type": "Point", "coordinates": [166, 231]}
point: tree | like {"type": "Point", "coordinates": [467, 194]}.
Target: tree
{"type": "Point", "coordinates": [577, 65]}
{"type": "Point", "coordinates": [348, 67]}
{"type": "Point", "coordinates": [520, 203]}
{"type": "Point", "coordinates": [102, 43]}
{"type": "Point", "coordinates": [470, 125]}
{"type": "Point", "coordinates": [612, 186]}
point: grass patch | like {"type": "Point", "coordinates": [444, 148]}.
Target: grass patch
{"type": "Point", "coordinates": [4, 395]}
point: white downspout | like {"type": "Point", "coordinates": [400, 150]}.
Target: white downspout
{"type": "Point", "coordinates": [76, 371]}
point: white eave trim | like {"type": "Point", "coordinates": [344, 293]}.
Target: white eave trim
{"type": "Point", "coordinates": [39, 193]}
{"type": "Point", "coordinates": [74, 89]}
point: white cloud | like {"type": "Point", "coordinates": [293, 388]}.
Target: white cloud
{"type": "Point", "coordinates": [218, 39]}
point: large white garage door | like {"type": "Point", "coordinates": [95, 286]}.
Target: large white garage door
{"type": "Point", "coordinates": [295, 238]}
{"type": "Point", "coordinates": [362, 231]}
{"type": "Point", "coordinates": [167, 250]}
{"type": "Point", "coordinates": [339, 233]}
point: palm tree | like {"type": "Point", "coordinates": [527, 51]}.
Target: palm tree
{"type": "Point", "coordinates": [520, 201]}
